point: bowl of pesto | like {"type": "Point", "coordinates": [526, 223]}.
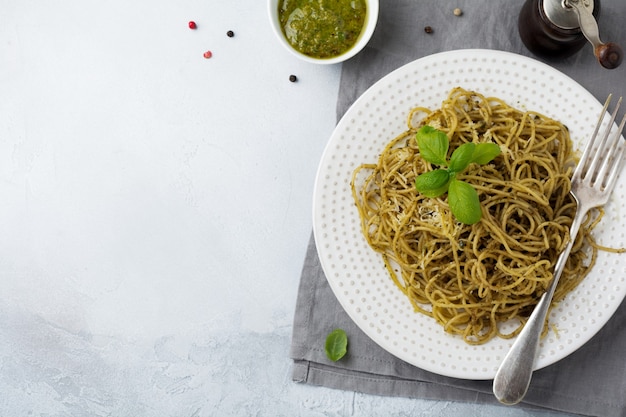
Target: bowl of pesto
{"type": "Point", "coordinates": [323, 31]}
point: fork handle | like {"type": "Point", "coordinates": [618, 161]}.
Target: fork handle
{"type": "Point", "coordinates": [515, 372]}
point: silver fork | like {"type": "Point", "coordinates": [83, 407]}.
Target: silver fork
{"type": "Point", "coordinates": [592, 184]}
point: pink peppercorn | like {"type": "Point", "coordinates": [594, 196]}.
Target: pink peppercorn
{"type": "Point", "coordinates": [192, 25]}
{"type": "Point", "coordinates": [207, 54]}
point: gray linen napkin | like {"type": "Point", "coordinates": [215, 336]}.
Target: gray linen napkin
{"type": "Point", "coordinates": [591, 381]}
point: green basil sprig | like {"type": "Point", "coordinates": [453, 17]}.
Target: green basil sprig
{"type": "Point", "coordinates": [463, 199]}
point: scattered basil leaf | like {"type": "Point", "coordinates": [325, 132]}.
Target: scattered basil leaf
{"type": "Point", "coordinates": [485, 152]}
{"type": "Point", "coordinates": [336, 344]}
{"type": "Point", "coordinates": [433, 144]}
{"type": "Point", "coordinates": [462, 157]}
{"type": "Point", "coordinates": [464, 202]}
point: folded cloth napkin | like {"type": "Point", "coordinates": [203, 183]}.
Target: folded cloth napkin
{"type": "Point", "coordinates": [591, 381]}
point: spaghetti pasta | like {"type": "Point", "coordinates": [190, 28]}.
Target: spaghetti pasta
{"type": "Point", "coordinates": [483, 280]}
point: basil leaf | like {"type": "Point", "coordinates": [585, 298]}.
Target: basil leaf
{"type": "Point", "coordinates": [485, 152]}
{"type": "Point", "coordinates": [433, 183]}
{"type": "Point", "coordinates": [336, 344]}
{"type": "Point", "coordinates": [464, 202]}
{"type": "Point", "coordinates": [433, 145]}
{"type": "Point", "coordinates": [462, 157]}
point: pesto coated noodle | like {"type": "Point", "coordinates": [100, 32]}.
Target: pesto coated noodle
{"type": "Point", "coordinates": [473, 279]}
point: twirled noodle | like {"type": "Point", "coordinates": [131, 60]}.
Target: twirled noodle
{"type": "Point", "coordinates": [473, 278]}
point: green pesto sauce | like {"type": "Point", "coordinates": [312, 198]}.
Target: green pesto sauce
{"type": "Point", "coordinates": [322, 28]}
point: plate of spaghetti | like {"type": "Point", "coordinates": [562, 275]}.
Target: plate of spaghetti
{"type": "Point", "coordinates": [443, 295]}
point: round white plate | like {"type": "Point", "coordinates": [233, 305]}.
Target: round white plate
{"type": "Point", "coordinates": [356, 273]}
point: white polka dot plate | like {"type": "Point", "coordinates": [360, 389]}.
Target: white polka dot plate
{"type": "Point", "coordinates": [356, 273]}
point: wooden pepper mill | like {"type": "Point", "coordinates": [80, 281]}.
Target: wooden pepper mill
{"type": "Point", "coordinates": [556, 29]}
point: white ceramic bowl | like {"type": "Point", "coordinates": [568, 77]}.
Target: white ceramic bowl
{"type": "Point", "coordinates": [371, 19]}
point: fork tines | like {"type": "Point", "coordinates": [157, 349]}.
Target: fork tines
{"type": "Point", "coordinates": [603, 145]}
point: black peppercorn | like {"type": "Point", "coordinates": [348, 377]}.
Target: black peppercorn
{"type": "Point", "coordinates": [293, 78]}
{"type": "Point", "coordinates": [428, 29]}
{"type": "Point", "coordinates": [230, 33]}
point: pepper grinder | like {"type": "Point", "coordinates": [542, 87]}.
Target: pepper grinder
{"type": "Point", "coordinates": [556, 29]}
